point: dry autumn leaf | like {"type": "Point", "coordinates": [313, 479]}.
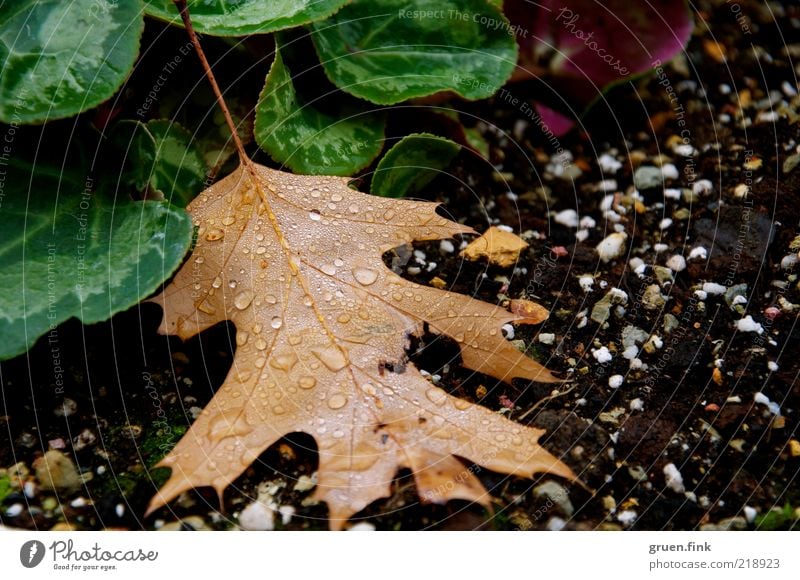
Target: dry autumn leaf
{"type": "Point", "coordinates": [322, 326]}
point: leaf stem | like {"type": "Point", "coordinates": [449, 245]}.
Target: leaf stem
{"type": "Point", "coordinates": [187, 22]}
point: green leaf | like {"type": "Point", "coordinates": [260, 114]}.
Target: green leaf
{"type": "Point", "coordinates": [160, 156]}
{"type": "Point", "coordinates": [307, 140]}
{"type": "Point", "coordinates": [58, 59]}
{"type": "Point", "coordinates": [243, 17]}
{"type": "Point", "coordinates": [412, 164]}
{"type": "Point", "coordinates": [68, 252]}
{"type": "Point", "coordinates": [387, 51]}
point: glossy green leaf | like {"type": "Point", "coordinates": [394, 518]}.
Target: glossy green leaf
{"type": "Point", "coordinates": [161, 157]}
{"type": "Point", "coordinates": [59, 58]}
{"type": "Point", "coordinates": [68, 252]}
{"type": "Point", "coordinates": [412, 164]}
{"type": "Point", "coordinates": [387, 51]}
{"type": "Point", "coordinates": [242, 17]}
{"type": "Point", "coordinates": [307, 140]}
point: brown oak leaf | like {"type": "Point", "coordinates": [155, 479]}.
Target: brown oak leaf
{"type": "Point", "coordinates": [322, 328]}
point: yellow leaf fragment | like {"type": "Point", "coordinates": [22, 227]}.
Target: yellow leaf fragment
{"type": "Point", "coordinates": [500, 247]}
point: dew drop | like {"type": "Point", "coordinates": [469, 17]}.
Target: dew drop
{"type": "Point", "coordinates": [331, 357]}
{"type": "Point", "coordinates": [314, 215]}
{"type": "Point", "coordinates": [461, 404]}
{"type": "Point", "coordinates": [276, 322]}
{"type": "Point", "coordinates": [207, 307]}
{"type": "Point", "coordinates": [243, 299]}
{"type": "Point", "coordinates": [328, 269]}
{"type": "Point", "coordinates": [278, 410]}
{"type": "Point", "coordinates": [295, 339]}
{"type": "Point", "coordinates": [283, 362]}
{"type": "Point", "coordinates": [217, 282]}
{"type": "Point", "coordinates": [436, 396]}
{"type": "Point", "coordinates": [353, 208]}
{"type": "Point", "coordinates": [214, 234]}
{"type": "Point", "coordinates": [261, 344]}
{"type": "Point", "coordinates": [307, 382]}
{"type": "Point", "coordinates": [343, 318]}
{"type": "Point", "coordinates": [338, 263]}
{"type": "Point", "coordinates": [199, 260]}
{"type": "Point", "coordinates": [337, 401]}
{"type": "Point", "coordinates": [389, 214]}
{"type": "Point", "coordinates": [365, 276]}
{"type": "Point", "coordinates": [270, 299]}
{"type": "Point", "coordinates": [241, 337]}
{"type": "Point", "coordinates": [228, 220]}
{"type": "Point", "coordinates": [261, 250]}
{"type": "Point", "coordinates": [336, 197]}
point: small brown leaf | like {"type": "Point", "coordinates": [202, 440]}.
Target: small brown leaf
{"type": "Point", "coordinates": [500, 247]}
{"type": "Point", "coordinates": [321, 331]}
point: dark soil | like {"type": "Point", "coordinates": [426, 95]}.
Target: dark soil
{"type": "Point", "coordinates": [695, 397]}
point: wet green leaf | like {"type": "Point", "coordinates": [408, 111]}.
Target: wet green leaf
{"type": "Point", "coordinates": [242, 17]}
{"type": "Point", "coordinates": [58, 59]}
{"type": "Point", "coordinates": [308, 140]}
{"type": "Point", "coordinates": [387, 51]}
{"type": "Point", "coordinates": [69, 252]}
{"type": "Point", "coordinates": [412, 164]}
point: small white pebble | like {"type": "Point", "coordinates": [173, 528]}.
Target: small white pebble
{"type": "Point", "coordinates": [789, 261]}
{"type": "Point", "coordinates": [762, 399]}
{"type": "Point", "coordinates": [738, 299]}
{"type": "Point", "coordinates": [636, 364]}
{"type": "Point", "coordinates": [512, 196]}
{"type": "Point", "coordinates": [608, 163]}
{"type": "Point", "coordinates": [431, 266]}
{"type": "Point", "coordinates": [684, 150]}
{"type": "Point", "coordinates": [660, 248]}
{"type": "Point", "coordinates": [669, 171]}
{"type": "Point", "coordinates": [587, 222]}
{"type": "Point", "coordinates": [547, 337]}
{"type": "Point", "coordinates": [119, 509]}
{"type": "Point", "coordinates": [29, 489]}
{"type": "Point", "coordinates": [665, 223]}
{"type": "Point", "coordinates": [556, 524]}
{"type": "Point", "coordinates": [630, 352]}
{"type": "Point", "coordinates": [672, 193]}
{"type": "Point", "coordinates": [615, 381]}
{"type": "Point", "coordinates": [656, 341]}
{"type": "Point", "coordinates": [607, 185]}
{"type": "Point", "coordinates": [257, 517]}
{"type": "Point", "coordinates": [747, 324]}
{"type": "Point", "coordinates": [702, 186]}
{"type": "Point", "coordinates": [788, 89]}
{"type": "Point", "coordinates": [362, 527]}
{"type": "Point", "coordinates": [635, 263]}
{"type": "Point", "coordinates": [567, 217]}
{"type": "Point", "coordinates": [14, 510]}
{"type": "Point", "coordinates": [447, 246]}
{"type": "Point", "coordinates": [606, 203]}
{"type": "Point", "coordinates": [701, 294]}
{"type": "Point", "coordinates": [773, 366]}
{"type": "Point", "coordinates": [749, 514]}
{"type": "Point", "coordinates": [413, 270]}
{"type": "Point", "coordinates": [626, 517]}
{"type": "Point", "coordinates": [505, 228]}
{"type": "Point", "coordinates": [286, 511]}
{"type": "Point", "coordinates": [602, 354]}
{"type": "Point", "coordinates": [636, 405]}
{"type": "Point", "coordinates": [698, 252]}
{"type": "Point", "coordinates": [676, 263]}
{"type": "Point", "coordinates": [78, 502]}
{"type": "Point", "coordinates": [586, 282]}
{"type": "Point", "coordinates": [714, 288]}
{"type": "Point", "coordinates": [508, 331]}
{"type": "Point", "coordinates": [582, 235]}
{"type": "Point", "coordinates": [673, 478]}
{"type": "Point", "coordinates": [612, 246]}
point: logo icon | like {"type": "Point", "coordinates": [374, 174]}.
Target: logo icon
{"type": "Point", "coordinates": [31, 553]}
